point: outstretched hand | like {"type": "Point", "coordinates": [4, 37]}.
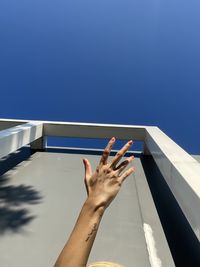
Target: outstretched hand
{"type": "Point", "coordinates": [103, 185]}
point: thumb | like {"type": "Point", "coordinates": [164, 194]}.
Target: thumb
{"type": "Point", "coordinates": [88, 169]}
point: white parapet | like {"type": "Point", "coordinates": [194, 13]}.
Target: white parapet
{"type": "Point", "coordinates": [181, 172]}
{"type": "Point", "coordinates": [14, 138]}
{"type": "Point", "coordinates": [84, 130]}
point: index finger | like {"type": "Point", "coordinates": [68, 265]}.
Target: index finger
{"type": "Point", "coordinates": [120, 153]}
{"type": "Point", "coordinates": [107, 151]}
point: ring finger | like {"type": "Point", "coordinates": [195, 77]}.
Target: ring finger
{"type": "Point", "coordinates": [124, 164]}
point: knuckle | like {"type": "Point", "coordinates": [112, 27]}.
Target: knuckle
{"type": "Point", "coordinates": [126, 173]}
{"type": "Point", "coordinates": [106, 152]}
{"type": "Point", "coordinates": [115, 175]}
{"type": "Point", "coordinates": [109, 170]}
{"type": "Point", "coordinates": [104, 169]}
{"type": "Point", "coordinates": [110, 144]}
{"type": "Point", "coordinates": [119, 183]}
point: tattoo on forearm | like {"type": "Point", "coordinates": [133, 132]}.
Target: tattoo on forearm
{"type": "Point", "coordinates": [94, 229]}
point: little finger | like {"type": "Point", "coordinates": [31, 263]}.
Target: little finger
{"type": "Point", "coordinates": [126, 174]}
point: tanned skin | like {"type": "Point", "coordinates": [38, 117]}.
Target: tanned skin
{"type": "Point", "coordinates": [102, 186]}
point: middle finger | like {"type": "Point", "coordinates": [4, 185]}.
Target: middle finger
{"type": "Point", "coordinates": [120, 153]}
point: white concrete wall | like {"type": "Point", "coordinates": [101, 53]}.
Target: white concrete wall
{"type": "Point", "coordinates": [181, 172]}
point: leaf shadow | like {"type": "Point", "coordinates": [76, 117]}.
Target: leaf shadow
{"type": "Point", "coordinates": [15, 200]}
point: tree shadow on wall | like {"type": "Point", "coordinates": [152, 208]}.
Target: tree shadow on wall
{"type": "Point", "coordinates": [15, 199]}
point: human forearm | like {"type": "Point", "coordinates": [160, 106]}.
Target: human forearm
{"type": "Point", "coordinates": [77, 249]}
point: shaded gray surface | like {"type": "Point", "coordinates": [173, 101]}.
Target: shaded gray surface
{"type": "Point", "coordinates": [41, 198]}
{"type": "Point", "coordinates": [183, 243]}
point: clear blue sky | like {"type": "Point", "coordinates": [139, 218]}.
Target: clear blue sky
{"type": "Point", "coordinates": [106, 61]}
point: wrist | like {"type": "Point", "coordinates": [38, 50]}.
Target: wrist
{"type": "Point", "coordinates": [94, 206]}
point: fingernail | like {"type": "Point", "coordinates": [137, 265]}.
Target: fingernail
{"type": "Point", "coordinates": [130, 142]}
{"type": "Point", "coordinates": [113, 138]}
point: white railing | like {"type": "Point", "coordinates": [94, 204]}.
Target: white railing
{"type": "Point", "coordinates": [179, 169]}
